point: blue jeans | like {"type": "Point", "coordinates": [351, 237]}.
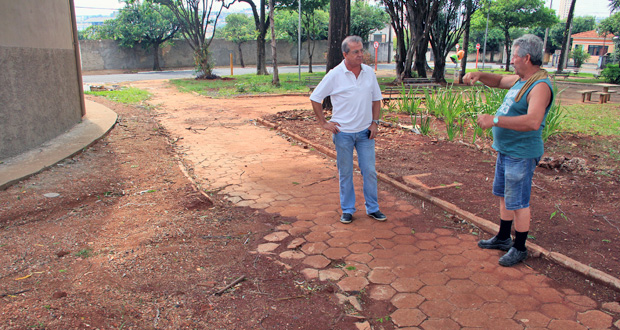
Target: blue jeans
{"type": "Point", "coordinates": [513, 180]}
{"type": "Point", "coordinates": [345, 143]}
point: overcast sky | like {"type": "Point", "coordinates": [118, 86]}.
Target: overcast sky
{"type": "Point", "coordinates": [598, 8]}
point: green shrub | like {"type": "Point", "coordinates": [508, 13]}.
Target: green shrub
{"type": "Point", "coordinates": [579, 56]}
{"type": "Point", "coordinates": [611, 74]}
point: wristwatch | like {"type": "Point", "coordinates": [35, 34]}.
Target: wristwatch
{"type": "Point", "coordinates": [495, 120]}
{"type": "Point", "coordinates": [376, 121]}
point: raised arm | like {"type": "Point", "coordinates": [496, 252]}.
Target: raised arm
{"type": "Point", "coordinates": [490, 79]}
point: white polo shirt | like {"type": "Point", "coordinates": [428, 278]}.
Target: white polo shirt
{"type": "Point", "coordinates": [351, 97]}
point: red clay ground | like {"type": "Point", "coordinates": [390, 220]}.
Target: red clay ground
{"type": "Point", "coordinates": [130, 244]}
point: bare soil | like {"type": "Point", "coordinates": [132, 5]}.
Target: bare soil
{"type": "Point", "coordinates": [129, 243]}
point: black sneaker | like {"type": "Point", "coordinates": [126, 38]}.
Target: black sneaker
{"type": "Point", "coordinates": [346, 218]}
{"type": "Point", "coordinates": [495, 243]}
{"type": "Point", "coordinates": [513, 257]}
{"type": "Point", "coordinates": [377, 216]}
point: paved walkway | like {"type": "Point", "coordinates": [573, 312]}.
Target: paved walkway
{"type": "Point", "coordinates": [436, 280]}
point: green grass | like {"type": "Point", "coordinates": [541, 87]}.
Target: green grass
{"type": "Point", "coordinates": [592, 119]}
{"type": "Point", "coordinates": [250, 84]}
{"type": "Point", "coordinates": [128, 95]}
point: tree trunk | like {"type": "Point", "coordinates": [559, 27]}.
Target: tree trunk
{"type": "Point", "coordinates": [465, 41]}
{"type": "Point", "coordinates": [156, 66]}
{"type": "Point", "coordinates": [310, 54]}
{"type": "Point", "coordinates": [440, 68]}
{"type": "Point", "coordinates": [240, 56]}
{"type": "Point", "coordinates": [507, 46]}
{"type": "Point", "coordinates": [339, 16]}
{"type": "Point", "coordinates": [274, 49]}
{"type": "Point", "coordinates": [261, 62]}
{"type": "Point", "coordinates": [566, 39]}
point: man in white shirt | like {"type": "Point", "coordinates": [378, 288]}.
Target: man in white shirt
{"type": "Point", "coordinates": [356, 100]}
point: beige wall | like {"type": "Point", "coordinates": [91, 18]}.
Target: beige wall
{"type": "Point", "coordinates": [40, 95]}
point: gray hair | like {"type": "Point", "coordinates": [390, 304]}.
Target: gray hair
{"type": "Point", "coordinates": [532, 45]}
{"type": "Point", "coordinates": [348, 40]}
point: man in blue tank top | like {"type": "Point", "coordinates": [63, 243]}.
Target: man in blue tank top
{"type": "Point", "coordinates": [517, 136]}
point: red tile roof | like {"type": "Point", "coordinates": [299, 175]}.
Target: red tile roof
{"type": "Point", "coordinates": [590, 34]}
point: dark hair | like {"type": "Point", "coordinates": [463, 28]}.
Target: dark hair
{"type": "Point", "coordinates": [532, 45]}
{"type": "Point", "coordinates": [347, 40]}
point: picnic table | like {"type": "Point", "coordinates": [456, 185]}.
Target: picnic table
{"type": "Point", "coordinates": [605, 95]}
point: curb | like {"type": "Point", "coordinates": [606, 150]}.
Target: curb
{"type": "Point", "coordinates": [482, 223]}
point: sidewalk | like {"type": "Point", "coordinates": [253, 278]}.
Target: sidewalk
{"type": "Point", "coordinates": [95, 124]}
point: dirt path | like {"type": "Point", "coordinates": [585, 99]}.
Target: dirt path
{"type": "Point", "coordinates": [257, 168]}
{"type": "Point", "coordinates": [117, 237]}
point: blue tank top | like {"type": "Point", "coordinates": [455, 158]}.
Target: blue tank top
{"type": "Point", "coordinates": [514, 143]}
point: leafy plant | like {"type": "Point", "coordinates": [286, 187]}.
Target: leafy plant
{"type": "Point", "coordinates": [84, 253]}
{"type": "Point", "coordinates": [579, 56]}
{"type": "Point", "coordinates": [555, 117]}
{"type": "Point", "coordinates": [611, 74]}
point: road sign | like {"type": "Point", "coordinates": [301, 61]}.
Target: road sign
{"type": "Point", "coordinates": [457, 47]}
{"type": "Point", "coordinates": [478, 46]}
{"type": "Point", "coordinates": [376, 44]}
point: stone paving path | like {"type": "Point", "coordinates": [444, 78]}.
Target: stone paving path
{"type": "Point", "coordinates": [436, 280]}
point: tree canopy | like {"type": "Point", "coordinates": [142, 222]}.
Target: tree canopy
{"type": "Point", "coordinates": [510, 14]}
{"type": "Point", "coordinates": [610, 25]}
{"type": "Point", "coordinates": [366, 18]}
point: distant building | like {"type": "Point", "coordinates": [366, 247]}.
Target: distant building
{"type": "Point", "coordinates": [83, 22]}
{"type": "Point", "coordinates": [594, 44]}
{"type": "Point", "coordinates": [564, 9]}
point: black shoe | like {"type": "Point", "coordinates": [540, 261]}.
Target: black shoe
{"type": "Point", "coordinates": [346, 218]}
{"type": "Point", "coordinates": [494, 243]}
{"type": "Point", "coordinates": [513, 257]}
{"type": "Point", "coordinates": [377, 216]}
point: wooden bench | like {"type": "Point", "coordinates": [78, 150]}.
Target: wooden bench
{"type": "Point", "coordinates": [312, 82]}
{"type": "Point", "coordinates": [586, 95]}
{"type": "Point", "coordinates": [564, 74]}
{"type": "Point", "coordinates": [603, 97]}
{"type": "Point", "coordinates": [397, 92]}
{"type": "Point", "coordinates": [411, 81]}
{"type": "Point", "coordinates": [611, 91]}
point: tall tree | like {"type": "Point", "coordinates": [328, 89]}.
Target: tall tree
{"type": "Point", "coordinates": [314, 21]}
{"type": "Point", "coordinates": [470, 8]}
{"type": "Point", "coordinates": [614, 5]}
{"type": "Point", "coordinates": [421, 16]}
{"type": "Point", "coordinates": [339, 24]}
{"type": "Point", "coordinates": [366, 18]}
{"type": "Point", "coordinates": [566, 39]}
{"type": "Point", "coordinates": [446, 31]}
{"type": "Point", "coordinates": [261, 22]}
{"type": "Point", "coordinates": [145, 24]}
{"type": "Point", "coordinates": [275, 81]}
{"type": "Point", "coordinates": [510, 14]}
{"type": "Point", "coordinates": [239, 28]}
{"type": "Point", "coordinates": [196, 16]}
{"type": "Point", "coordinates": [610, 25]}
{"type": "Point", "coordinates": [398, 16]}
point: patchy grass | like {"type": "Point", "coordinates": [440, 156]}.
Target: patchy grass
{"type": "Point", "coordinates": [245, 85]}
{"type": "Point", "coordinates": [129, 95]}
{"type": "Point", "coordinates": [250, 84]}
{"type": "Point", "coordinates": [592, 119]}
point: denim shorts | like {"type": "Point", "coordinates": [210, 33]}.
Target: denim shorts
{"type": "Point", "coordinates": [513, 180]}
